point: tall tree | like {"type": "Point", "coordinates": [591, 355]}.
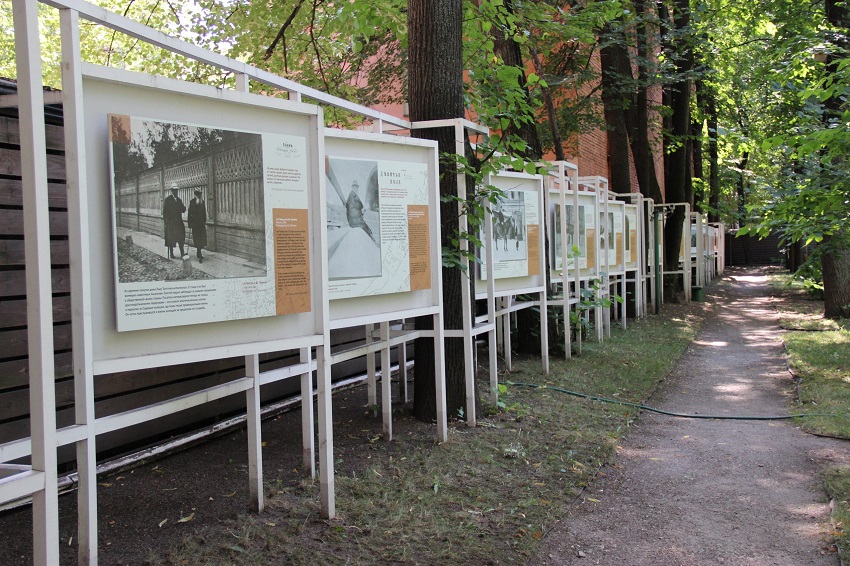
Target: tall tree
{"type": "Point", "coordinates": [436, 92]}
{"type": "Point", "coordinates": [677, 154]}
{"type": "Point", "coordinates": [616, 100]}
{"type": "Point", "coordinates": [835, 259]}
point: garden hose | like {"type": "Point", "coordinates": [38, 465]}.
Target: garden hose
{"type": "Point", "coordinates": [669, 413]}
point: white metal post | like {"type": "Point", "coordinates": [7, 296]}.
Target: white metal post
{"type": "Point", "coordinates": [492, 340]}
{"type": "Point", "coordinates": [505, 307]}
{"type": "Point", "coordinates": [78, 244]}
{"type": "Point", "coordinates": [308, 442]}
{"type": "Point", "coordinates": [386, 381]}
{"type": "Point", "coordinates": [319, 280]}
{"type": "Point", "coordinates": [541, 269]}
{"type": "Point", "coordinates": [38, 281]}
{"type": "Point", "coordinates": [255, 434]}
{"type": "Point", "coordinates": [467, 300]}
{"type": "Point", "coordinates": [402, 368]}
{"type": "Point", "coordinates": [371, 388]}
{"type": "Point", "coordinates": [440, 377]}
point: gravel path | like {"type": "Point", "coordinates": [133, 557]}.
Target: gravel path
{"type": "Point", "coordinates": [705, 492]}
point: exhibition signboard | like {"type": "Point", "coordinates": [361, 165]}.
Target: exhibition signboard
{"type": "Point", "coordinates": [377, 227]}
{"type": "Point", "coordinates": [257, 179]}
{"type": "Point", "coordinates": [382, 226]}
{"type": "Point", "coordinates": [203, 210]}
{"type": "Point", "coordinates": [631, 244]}
{"type": "Point", "coordinates": [517, 228]}
{"type": "Point", "coordinates": [575, 236]}
{"type": "Point", "coordinates": [616, 245]}
{"type": "Point", "coordinates": [590, 253]}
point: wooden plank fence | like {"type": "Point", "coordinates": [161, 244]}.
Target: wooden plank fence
{"type": "Point", "coordinates": [119, 392]}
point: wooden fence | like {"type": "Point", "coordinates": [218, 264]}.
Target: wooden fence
{"type": "Point", "coordinates": [118, 392]}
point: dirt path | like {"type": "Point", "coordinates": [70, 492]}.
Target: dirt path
{"type": "Point", "coordinates": [705, 492]}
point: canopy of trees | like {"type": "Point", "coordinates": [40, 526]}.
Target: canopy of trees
{"type": "Point", "coordinates": [746, 103]}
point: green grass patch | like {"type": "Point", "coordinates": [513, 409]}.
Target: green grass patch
{"type": "Point", "coordinates": [819, 357]}
{"type": "Point", "coordinates": [821, 361]}
{"type": "Point", "coordinates": [837, 481]}
{"type": "Point", "coordinates": [486, 495]}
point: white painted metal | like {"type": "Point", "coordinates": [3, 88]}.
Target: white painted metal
{"type": "Point", "coordinates": [321, 313]}
{"type": "Point", "coordinates": [386, 382]}
{"type": "Point", "coordinates": [371, 386]}
{"type": "Point", "coordinates": [78, 244]}
{"type": "Point", "coordinates": [255, 434]}
{"type": "Point", "coordinates": [22, 484]}
{"type": "Point", "coordinates": [39, 295]}
{"type": "Point", "coordinates": [170, 406]}
{"type": "Point", "coordinates": [308, 442]}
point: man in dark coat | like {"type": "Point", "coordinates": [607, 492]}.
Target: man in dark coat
{"type": "Point", "coordinates": [172, 217]}
{"type": "Point", "coordinates": [197, 220]}
{"type": "Point", "coordinates": [354, 210]}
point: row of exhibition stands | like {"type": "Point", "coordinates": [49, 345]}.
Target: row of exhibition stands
{"type": "Point", "coordinates": [352, 239]}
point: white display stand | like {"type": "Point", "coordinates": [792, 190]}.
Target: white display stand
{"type": "Point", "coordinates": [402, 177]}
{"type": "Point", "coordinates": [636, 253]}
{"type": "Point", "coordinates": [514, 245]}
{"type": "Point", "coordinates": [598, 262]}
{"type": "Point", "coordinates": [563, 216]}
{"type": "Point", "coordinates": [685, 255]}
{"type": "Point", "coordinates": [653, 247]}
{"type": "Point", "coordinates": [88, 94]}
{"type": "Point", "coordinates": [617, 257]}
{"type": "Point", "coordinates": [472, 326]}
{"type": "Point", "coordinates": [719, 250]}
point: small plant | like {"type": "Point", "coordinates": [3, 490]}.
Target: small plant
{"type": "Point", "coordinates": [519, 409]}
{"type": "Point", "coordinates": [590, 298]}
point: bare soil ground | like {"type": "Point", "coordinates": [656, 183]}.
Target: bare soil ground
{"type": "Point", "coordinates": [705, 492]}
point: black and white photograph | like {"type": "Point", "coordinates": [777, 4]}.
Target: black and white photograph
{"type": "Point", "coordinates": [606, 231]}
{"type": "Point", "coordinates": [582, 233]}
{"type": "Point", "coordinates": [188, 201]}
{"type": "Point", "coordinates": [354, 219]}
{"type": "Point", "coordinates": [570, 235]}
{"type": "Point", "coordinates": [509, 231]}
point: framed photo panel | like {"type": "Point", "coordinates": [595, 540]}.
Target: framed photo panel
{"type": "Point", "coordinates": [631, 234]}
{"type": "Point", "coordinates": [517, 236]}
{"type": "Point", "coordinates": [382, 224]}
{"type": "Point", "coordinates": [203, 209]}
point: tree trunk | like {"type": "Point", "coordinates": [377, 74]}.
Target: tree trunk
{"type": "Point", "coordinates": [637, 115]}
{"type": "Point", "coordinates": [616, 74]}
{"type": "Point", "coordinates": [835, 266]}
{"type": "Point", "coordinates": [551, 115]}
{"type": "Point", "coordinates": [511, 54]}
{"type": "Point", "coordinates": [678, 158]}
{"type": "Point", "coordinates": [435, 91]}
{"type": "Point", "coordinates": [835, 262]}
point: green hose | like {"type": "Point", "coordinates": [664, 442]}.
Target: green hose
{"type": "Point", "coordinates": [661, 412]}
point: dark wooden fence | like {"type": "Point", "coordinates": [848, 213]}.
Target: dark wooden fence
{"type": "Point", "coordinates": [750, 250]}
{"type": "Point", "coordinates": [116, 392]}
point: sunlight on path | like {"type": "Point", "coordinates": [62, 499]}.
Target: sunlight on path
{"type": "Point", "coordinates": [706, 492]}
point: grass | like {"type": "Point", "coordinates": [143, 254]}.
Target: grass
{"type": "Point", "coordinates": [488, 494]}
{"type": "Point", "coordinates": [819, 357]}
